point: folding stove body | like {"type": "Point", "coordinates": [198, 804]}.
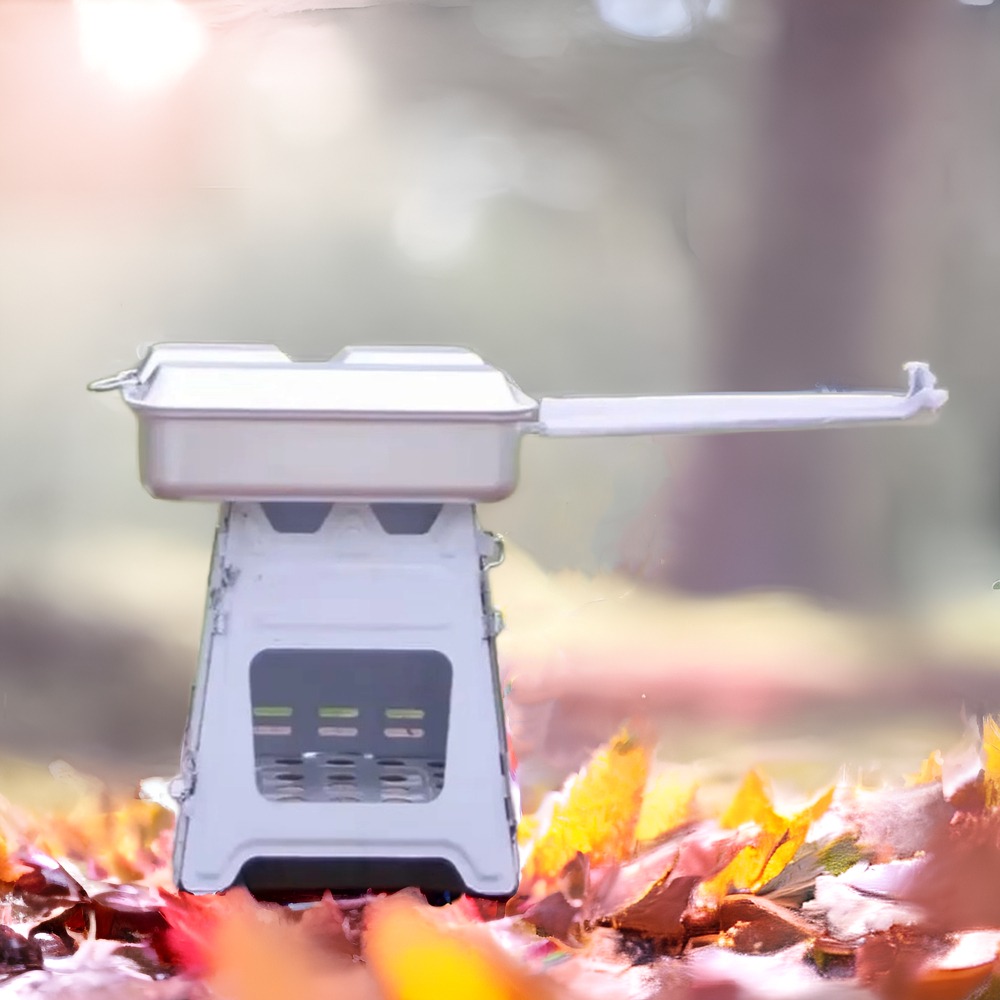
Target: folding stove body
{"type": "Point", "coordinates": [346, 727]}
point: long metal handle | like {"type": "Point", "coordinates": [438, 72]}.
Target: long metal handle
{"type": "Point", "coordinates": [721, 412]}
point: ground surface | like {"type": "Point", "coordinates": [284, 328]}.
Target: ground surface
{"type": "Point", "coordinates": [668, 867]}
{"type": "Point", "coordinates": [635, 884]}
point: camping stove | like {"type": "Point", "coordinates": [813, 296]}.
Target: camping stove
{"type": "Point", "coordinates": [346, 728]}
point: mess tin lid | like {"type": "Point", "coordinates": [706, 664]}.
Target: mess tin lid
{"type": "Point", "coordinates": [252, 380]}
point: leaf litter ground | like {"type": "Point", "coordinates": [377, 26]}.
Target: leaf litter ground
{"type": "Point", "coordinates": [632, 887]}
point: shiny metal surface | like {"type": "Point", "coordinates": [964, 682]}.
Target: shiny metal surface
{"type": "Point", "coordinates": [378, 383]}
{"type": "Point", "coordinates": [244, 422]}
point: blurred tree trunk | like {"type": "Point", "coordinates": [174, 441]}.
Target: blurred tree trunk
{"type": "Point", "coordinates": [797, 299]}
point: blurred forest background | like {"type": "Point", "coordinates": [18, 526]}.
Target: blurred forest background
{"type": "Point", "coordinates": [599, 196]}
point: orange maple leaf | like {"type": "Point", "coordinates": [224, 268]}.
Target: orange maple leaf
{"type": "Point", "coordinates": [10, 868]}
{"type": "Point", "coordinates": [119, 839]}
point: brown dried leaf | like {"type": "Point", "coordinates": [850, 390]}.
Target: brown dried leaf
{"type": "Point", "coordinates": [910, 965]}
{"type": "Point", "coordinates": [17, 953]}
{"type": "Point", "coordinates": [555, 916]}
{"type": "Point", "coordinates": [699, 853]}
{"type": "Point", "coordinates": [958, 886]}
{"type": "Point", "coordinates": [759, 926]}
{"type": "Point", "coordinates": [658, 914]}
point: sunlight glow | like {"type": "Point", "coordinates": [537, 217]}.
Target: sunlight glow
{"type": "Point", "coordinates": [139, 45]}
{"type": "Point", "coordinates": [660, 18]}
{"type": "Point", "coordinates": [310, 82]}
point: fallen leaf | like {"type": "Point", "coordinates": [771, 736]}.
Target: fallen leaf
{"type": "Point", "coordinates": [596, 813]}
{"type": "Point", "coordinates": [902, 880]}
{"type": "Point", "coordinates": [45, 878]}
{"type": "Point", "coordinates": [115, 838]}
{"type": "Point", "coordinates": [412, 957]}
{"type": "Point", "coordinates": [126, 913]}
{"type": "Point", "coordinates": [778, 840]}
{"type": "Point", "coordinates": [262, 952]}
{"type": "Point", "coordinates": [958, 885]}
{"type": "Point", "coordinates": [930, 771]}
{"type": "Point", "coordinates": [328, 926]}
{"type": "Point", "coordinates": [961, 970]}
{"type": "Point", "coordinates": [702, 852]}
{"type": "Point", "coordinates": [192, 926]}
{"type": "Point", "coordinates": [666, 804]}
{"type": "Point", "coordinates": [991, 760]}
{"type": "Point", "coordinates": [555, 916]}
{"type": "Point", "coordinates": [17, 953]}
{"type": "Point", "coordinates": [11, 869]}
{"type": "Point", "coordinates": [658, 914]}
{"type": "Point", "coordinates": [759, 926]}
{"type": "Point", "coordinates": [909, 965]}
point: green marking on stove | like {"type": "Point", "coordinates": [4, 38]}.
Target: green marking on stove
{"type": "Point", "coordinates": [339, 712]}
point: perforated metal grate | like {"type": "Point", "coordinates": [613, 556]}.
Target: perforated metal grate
{"type": "Point", "coordinates": [315, 777]}
{"type": "Point", "coordinates": [350, 725]}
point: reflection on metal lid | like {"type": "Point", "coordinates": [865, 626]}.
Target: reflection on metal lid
{"type": "Point", "coordinates": [411, 357]}
{"type": "Point", "coordinates": [391, 382]}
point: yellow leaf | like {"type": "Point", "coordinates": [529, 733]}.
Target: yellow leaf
{"type": "Point", "coordinates": [527, 830]}
{"type": "Point", "coordinates": [667, 804]}
{"type": "Point", "coordinates": [597, 812]}
{"type": "Point", "coordinates": [776, 844]}
{"type": "Point", "coordinates": [416, 957]}
{"type": "Point", "coordinates": [752, 804]}
{"type": "Point", "coordinates": [929, 772]}
{"type": "Point", "coordinates": [794, 837]}
{"type": "Point", "coordinates": [741, 872]}
{"type": "Point", "coordinates": [991, 760]}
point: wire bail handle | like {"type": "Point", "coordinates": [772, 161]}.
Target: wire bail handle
{"type": "Point", "coordinates": [111, 382]}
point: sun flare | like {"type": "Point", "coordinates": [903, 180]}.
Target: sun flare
{"type": "Point", "coordinates": [139, 45]}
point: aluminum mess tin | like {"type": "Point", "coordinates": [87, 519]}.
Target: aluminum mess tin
{"type": "Point", "coordinates": [243, 422]}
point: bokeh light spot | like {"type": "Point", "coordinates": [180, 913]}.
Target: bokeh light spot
{"type": "Point", "coordinates": [139, 45]}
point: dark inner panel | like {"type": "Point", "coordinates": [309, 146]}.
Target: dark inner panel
{"type": "Point", "coordinates": [349, 725]}
{"type": "Point", "coordinates": [296, 518]}
{"type": "Point", "coordinates": [406, 518]}
{"type": "Point", "coordinates": [277, 878]}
